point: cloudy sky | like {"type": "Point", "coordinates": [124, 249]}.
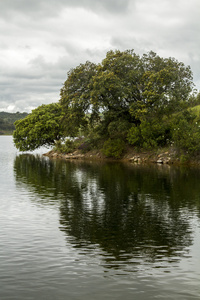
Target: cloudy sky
{"type": "Point", "coordinates": [41, 40]}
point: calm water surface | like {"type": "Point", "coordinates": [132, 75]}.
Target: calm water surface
{"type": "Point", "coordinates": [75, 230]}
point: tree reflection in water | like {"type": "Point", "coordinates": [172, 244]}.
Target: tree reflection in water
{"type": "Point", "coordinates": [128, 212]}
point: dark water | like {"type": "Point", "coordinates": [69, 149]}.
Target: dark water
{"type": "Point", "coordinates": [75, 230]}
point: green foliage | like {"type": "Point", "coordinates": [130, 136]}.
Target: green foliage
{"type": "Point", "coordinates": [194, 99]}
{"type": "Point", "coordinates": [114, 85]}
{"type": "Point", "coordinates": [75, 98]}
{"type": "Point", "coordinates": [182, 130]}
{"type": "Point", "coordinates": [150, 135]}
{"type": "Point", "coordinates": [183, 159]}
{"type": "Point", "coordinates": [154, 133]}
{"type": "Point", "coordinates": [134, 136]}
{"type": "Point", "coordinates": [142, 87]}
{"type": "Point", "coordinates": [113, 148]}
{"type": "Point", "coordinates": [119, 128]}
{"type": "Point", "coordinates": [198, 98]}
{"type": "Point", "coordinates": [93, 140]}
{"type": "Point", "coordinates": [186, 133]}
{"type": "Point", "coordinates": [166, 85]}
{"type": "Point", "coordinates": [41, 127]}
{"type": "Point", "coordinates": [124, 91]}
{"type": "Point", "coordinates": [196, 110]}
{"type": "Point", "coordinates": [67, 147]}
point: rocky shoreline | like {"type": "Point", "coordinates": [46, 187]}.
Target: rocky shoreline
{"type": "Point", "coordinates": [169, 157]}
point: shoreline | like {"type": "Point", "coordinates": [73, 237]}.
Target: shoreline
{"type": "Point", "coordinates": [161, 156]}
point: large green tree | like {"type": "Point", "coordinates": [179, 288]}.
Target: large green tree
{"type": "Point", "coordinates": [142, 86]}
{"type": "Point", "coordinates": [42, 127]}
{"type": "Point", "coordinates": [124, 89]}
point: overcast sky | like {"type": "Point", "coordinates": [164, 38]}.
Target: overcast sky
{"type": "Point", "coordinates": [40, 40]}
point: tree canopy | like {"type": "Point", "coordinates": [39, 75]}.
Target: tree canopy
{"type": "Point", "coordinates": [39, 128]}
{"type": "Point", "coordinates": [125, 85]}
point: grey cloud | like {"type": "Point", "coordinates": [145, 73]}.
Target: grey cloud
{"type": "Point", "coordinates": [25, 89]}
{"type": "Point", "coordinates": [37, 84]}
{"type": "Point", "coordinates": [40, 83]}
{"type": "Point", "coordinates": [113, 6]}
{"type": "Point", "coordinates": [50, 8]}
{"type": "Point", "coordinates": [168, 28]}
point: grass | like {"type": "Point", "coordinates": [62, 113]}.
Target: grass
{"type": "Point", "coordinates": [196, 110]}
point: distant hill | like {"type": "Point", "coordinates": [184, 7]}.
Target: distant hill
{"type": "Point", "coordinates": [7, 121]}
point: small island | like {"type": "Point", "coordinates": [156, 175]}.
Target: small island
{"type": "Point", "coordinates": [138, 108]}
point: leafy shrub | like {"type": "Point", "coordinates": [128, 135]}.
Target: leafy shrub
{"type": "Point", "coordinates": [134, 136]}
{"type": "Point", "coordinates": [58, 146]}
{"type": "Point", "coordinates": [93, 139]}
{"type": "Point", "coordinates": [154, 133]}
{"type": "Point", "coordinates": [67, 147]}
{"type": "Point", "coordinates": [113, 148]}
{"type": "Point", "coordinates": [183, 159]}
{"type": "Point", "coordinates": [186, 133]}
{"type": "Point", "coordinates": [150, 134]}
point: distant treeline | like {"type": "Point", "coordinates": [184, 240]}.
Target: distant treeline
{"type": "Point", "coordinates": [7, 121]}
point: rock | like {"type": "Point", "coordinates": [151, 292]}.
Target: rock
{"type": "Point", "coordinates": [159, 161]}
{"type": "Point", "coordinates": [166, 160]}
{"type": "Point", "coordinates": [132, 158]}
{"type": "Point", "coordinates": [135, 159]}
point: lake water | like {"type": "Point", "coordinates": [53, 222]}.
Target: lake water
{"type": "Point", "coordinates": [96, 230]}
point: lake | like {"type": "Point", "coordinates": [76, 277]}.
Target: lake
{"type": "Point", "coordinates": [97, 230]}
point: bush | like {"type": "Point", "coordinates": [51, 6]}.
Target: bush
{"type": "Point", "coordinates": [134, 136]}
{"type": "Point", "coordinates": [155, 133]}
{"type": "Point", "coordinates": [93, 139]}
{"type": "Point", "coordinates": [58, 146]}
{"type": "Point", "coordinates": [67, 147]}
{"type": "Point", "coordinates": [186, 133]}
{"type": "Point", "coordinates": [183, 159]}
{"type": "Point", "coordinates": [113, 148]}
{"type": "Point", "coordinates": [150, 134]}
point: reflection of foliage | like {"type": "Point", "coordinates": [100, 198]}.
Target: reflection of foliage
{"type": "Point", "coordinates": [126, 210]}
